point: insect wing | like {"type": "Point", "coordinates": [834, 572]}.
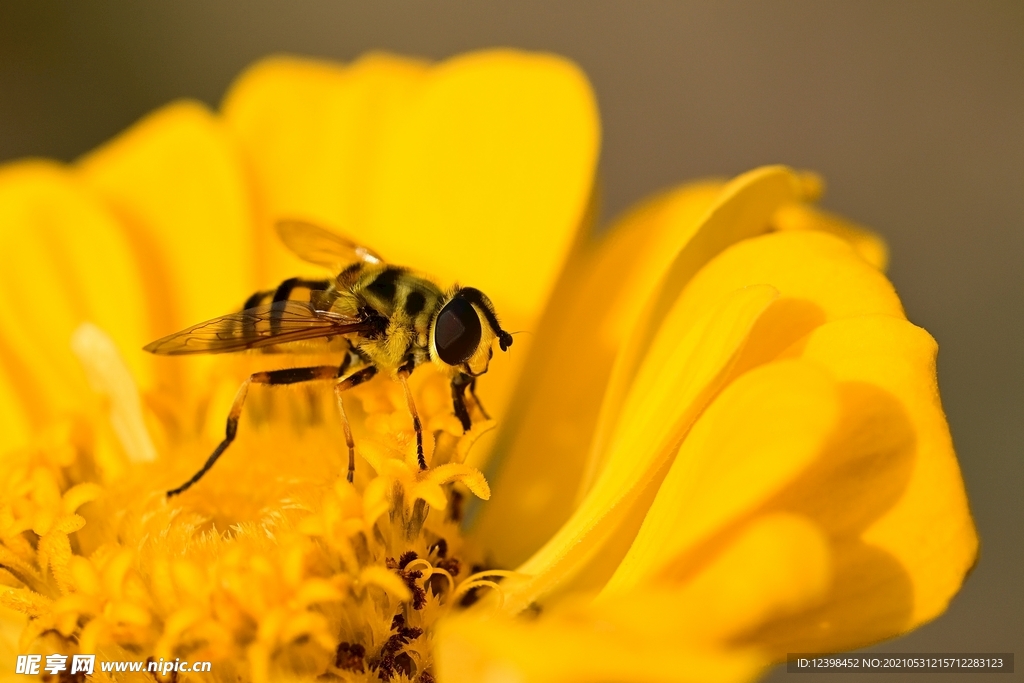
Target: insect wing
{"type": "Point", "coordinates": [318, 245]}
{"type": "Point", "coordinates": [264, 325]}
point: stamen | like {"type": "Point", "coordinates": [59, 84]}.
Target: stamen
{"type": "Point", "coordinates": [430, 571]}
{"type": "Point", "coordinates": [416, 564]}
{"type": "Point", "coordinates": [409, 577]}
{"type": "Point", "coordinates": [466, 586]}
{"type": "Point", "coordinates": [108, 376]}
{"type": "Point", "coordinates": [437, 571]}
{"type": "Point", "coordinates": [503, 573]}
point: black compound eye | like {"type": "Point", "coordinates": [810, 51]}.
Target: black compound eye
{"type": "Point", "coordinates": [457, 331]}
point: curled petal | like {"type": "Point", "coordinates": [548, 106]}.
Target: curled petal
{"type": "Point", "coordinates": [759, 435]}
{"type": "Point", "coordinates": [583, 327]}
{"type": "Point", "coordinates": [889, 493]}
{"type": "Point", "coordinates": [684, 371]}
{"type": "Point", "coordinates": [612, 298]}
{"type": "Point", "coordinates": [866, 243]}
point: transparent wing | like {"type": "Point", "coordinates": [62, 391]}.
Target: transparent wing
{"type": "Point", "coordinates": [321, 246]}
{"type": "Point", "coordinates": [264, 325]}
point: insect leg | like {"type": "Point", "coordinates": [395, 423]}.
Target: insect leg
{"type": "Point", "coordinates": [273, 378]}
{"type": "Point", "coordinates": [472, 390]}
{"type": "Point", "coordinates": [459, 385]}
{"type": "Point", "coordinates": [353, 380]}
{"type": "Point", "coordinates": [403, 375]}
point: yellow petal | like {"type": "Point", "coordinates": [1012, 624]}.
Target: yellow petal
{"type": "Point", "coordinates": [15, 425]}
{"type": "Point", "coordinates": [65, 260]}
{"type": "Point", "coordinates": [891, 498]}
{"type": "Point", "coordinates": [807, 266]}
{"type": "Point", "coordinates": [775, 565]}
{"type": "Point", "coordinates": [762, 432]}
{"type": "Point", "coordinates": [311, 132]}
{"type": "Point", "coordinates": [870, 246]}
{"type": "Point", "coordinates": [651, 256]}
{"type": "Point", "coordinates": [177, 182]}
{"type": "Point", "coordinates": [683, 372]}
{"type": "Point", "coordinates": [742, 211]}
{"type": "Point", "coordinates": [595, 304]}
{"type": "Point", "coordinates": [495, 157]}
{"type": "Point", "coordinates": [472, 650]}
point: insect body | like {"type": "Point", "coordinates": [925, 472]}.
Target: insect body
{"type": "Point", "coordinates": [389, 320]}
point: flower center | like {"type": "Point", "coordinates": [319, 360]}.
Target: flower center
{"type": "Point", "coordinates": [271, 566]}
{"type": "Point", "coordinates": [410, 572]}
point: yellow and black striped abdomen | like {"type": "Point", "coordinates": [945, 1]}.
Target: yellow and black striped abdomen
{"type": "Point", "coordinates": [292, 289]}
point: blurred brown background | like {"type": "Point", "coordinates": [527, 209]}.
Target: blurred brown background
{"type": "Point", "coordinates": [913, 111]}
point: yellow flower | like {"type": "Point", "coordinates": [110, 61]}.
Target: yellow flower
{"type": "Point", "coordinates": [721, 441]}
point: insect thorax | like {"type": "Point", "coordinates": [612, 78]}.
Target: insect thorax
{"type": "Point", "coordinates": [406, 301]}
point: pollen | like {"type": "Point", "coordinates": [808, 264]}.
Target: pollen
{"type": "Point", "coordinates": [272, 567]}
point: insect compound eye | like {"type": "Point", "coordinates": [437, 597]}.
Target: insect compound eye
{"type": "Point", "coordinates": [457, 331]}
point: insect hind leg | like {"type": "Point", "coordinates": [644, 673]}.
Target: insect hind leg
{"type": "Point", "coordinates": [272, 378]}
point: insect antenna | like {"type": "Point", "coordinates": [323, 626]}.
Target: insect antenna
{"type": "Point", "coordinates": [512, 334]}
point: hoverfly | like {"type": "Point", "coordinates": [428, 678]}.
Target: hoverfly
{"type": "Point", "coordinates": [390, 320]}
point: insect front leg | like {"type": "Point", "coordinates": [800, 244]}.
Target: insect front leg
{"type": "Point", "coordinates": [479, 405]}
{"type": "Point", "coordinates": [272, 378]}
{"type": "Point", "coordinates": [403, 376]}
{"type": "Point", "coordinates": [459, 385]}
{"type": "Point", "coordinates": [353, 380]}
